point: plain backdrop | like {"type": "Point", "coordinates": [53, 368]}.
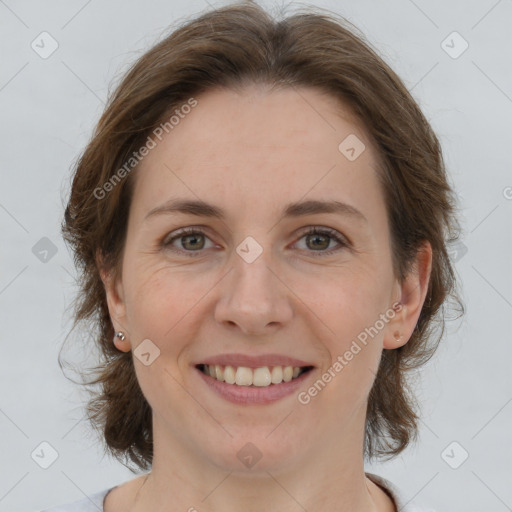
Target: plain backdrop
{"type": "Point", "coordinates": [49, 105]}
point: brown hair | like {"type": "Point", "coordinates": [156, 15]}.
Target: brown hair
{"type": "Point", "coordinates": [231, 47]}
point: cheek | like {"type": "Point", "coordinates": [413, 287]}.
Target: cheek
{"type": "Point", "coordinates": [163, 307]}
{"type": "Point", "coordinates": [162, 300]}
{"type": "Point", "coordinates": [353, 307]}
{"type": "Point", "coordinates": [346, 300]}
{"type": "Point", "coordinates": [151, 304]}
{"type": "Point", "coordinates": [344, 382]}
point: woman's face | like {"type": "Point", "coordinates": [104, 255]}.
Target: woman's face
{"type": "Point", "coordinates": [250, 282]}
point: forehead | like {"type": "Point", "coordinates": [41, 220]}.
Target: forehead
{"type": "Point", "coordinates": [257, 146]}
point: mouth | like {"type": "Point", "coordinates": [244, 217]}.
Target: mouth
{"type": "Point", "coordinates": [260, 377]}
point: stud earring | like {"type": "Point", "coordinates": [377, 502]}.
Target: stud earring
{"type": "Point", "coordinates": [119, 335]}
{"type": "Point", "coordinates": [398, 336]}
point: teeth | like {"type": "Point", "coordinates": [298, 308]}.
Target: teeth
{"type": "Point", "coordinates": [229, 374]}
{"type": "Point", "coordinates": [219, 374]}
{"type": "Point", "coordinates": [243, 376]}
{"type": "Point", "coordinates": [277, 374]}
{"type": "Point", "coordinates": [260, 377]}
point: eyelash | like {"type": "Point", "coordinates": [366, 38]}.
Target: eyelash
{"type": "Point", "coordinates": [313, 230]}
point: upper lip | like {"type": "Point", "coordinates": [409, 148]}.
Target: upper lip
{"type": "Point", "coordinates": [253, 361]}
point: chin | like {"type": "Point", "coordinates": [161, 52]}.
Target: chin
{"type": "Point", "coordinates": [255, 451]}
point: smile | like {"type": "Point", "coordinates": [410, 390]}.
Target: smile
{"type": "Point", "coordinates": [256, 377]}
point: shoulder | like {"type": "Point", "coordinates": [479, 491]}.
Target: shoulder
{"type": "Point", "coordinates": [401, 502]}
{"type": "Point", "coordinates": [92, 503]}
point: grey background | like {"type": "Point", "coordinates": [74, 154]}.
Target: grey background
{"type": "Point", "coordinates": [48, 109]}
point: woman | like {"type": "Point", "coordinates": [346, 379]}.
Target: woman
{"type": "Point", "coordinates": [261, 219]}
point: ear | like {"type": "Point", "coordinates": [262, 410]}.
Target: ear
{"type": "Point", "coordinates": [411, 296]}
{"type": "Point", "coordinates": [115, 301]}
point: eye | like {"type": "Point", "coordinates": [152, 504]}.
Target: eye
{"type": "Point", "coordinates": [321, 238]}
{"type": "Point", "coordinates": [192, 241]}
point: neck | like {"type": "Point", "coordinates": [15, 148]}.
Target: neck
{"type": "Point", "coordinates": [325, 479]}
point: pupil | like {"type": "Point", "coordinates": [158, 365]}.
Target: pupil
{"type": "Point", "coordinates": [316, 237]}
{"type": "Point", "coordinates": [194, 239]}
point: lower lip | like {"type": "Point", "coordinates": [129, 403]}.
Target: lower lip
{"type": "Point", "coordinates": [253, 394]}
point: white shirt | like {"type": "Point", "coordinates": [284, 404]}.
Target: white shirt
{"type": "Point", "coordinates": [94, 503]}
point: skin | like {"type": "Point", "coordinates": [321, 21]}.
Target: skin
{"type": "Point", "coordinates": [251, 153]}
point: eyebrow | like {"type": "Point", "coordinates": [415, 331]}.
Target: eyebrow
{"type": "Point", "coordinates": [292, 210]}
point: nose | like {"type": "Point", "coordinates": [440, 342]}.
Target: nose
{"type": "Point", "coordinates": [253, 298]}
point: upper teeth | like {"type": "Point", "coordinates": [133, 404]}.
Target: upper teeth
{"type": "Point", "coordinates": [243, 376]}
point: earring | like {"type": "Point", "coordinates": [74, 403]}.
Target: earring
{"type": "Point", "coordinates": [119, 335]}
{"type": "Point", "coordinates": [398, 336]}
